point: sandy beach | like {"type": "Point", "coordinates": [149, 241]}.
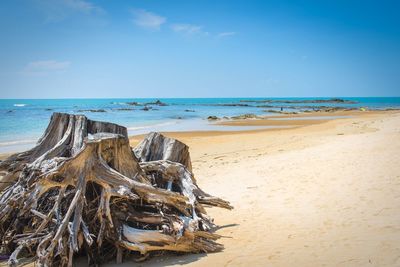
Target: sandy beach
{"type": "Point", "coordinates": [200, 133]}
{"type": "Point", "coordinates": [322, 193]}
{"type": "Point", "coordinates": [326, 194]}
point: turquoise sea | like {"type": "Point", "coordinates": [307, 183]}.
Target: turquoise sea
{"type": "Point", "coordinates": [22, 121]}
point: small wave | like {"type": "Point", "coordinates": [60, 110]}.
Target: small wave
{"type": "Point", "coordinates": [151, 126]}
{"type": "Point", "coordinates": [17, 142]}
{"type": "Point", "coordinates": [19, 105]}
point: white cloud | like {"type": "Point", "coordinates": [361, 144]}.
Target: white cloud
{"type": "Point", "coordinates": [225, 34]}
{"type": "Point", "coordinates": [147, 19]}
{"type": "Point", "coordinates": [58, 10]}
{"type": "Point", "coordinates": [45, 67]}
{"type": "Point", "coordinates": [187, 28]}
{"type": "Point", "coordinates": [81, 5]}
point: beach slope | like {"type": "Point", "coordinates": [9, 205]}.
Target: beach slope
{"type": "Point", "coordinates": [319, 195]}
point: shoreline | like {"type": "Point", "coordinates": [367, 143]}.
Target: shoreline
{"type": "Point", "coordinates": [23, 121]}
{"type": "Point", "coordinates": [276, 122]}
{"type": "Point", "coordinates": [266, 121]}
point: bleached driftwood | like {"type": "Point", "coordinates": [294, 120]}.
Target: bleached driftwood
{"type": "Point", "coordinates": [63, 138]}
{"type": "Point", "coordinates": [156, 146]}
{"type": "Point", "coordinates": [81, 190]}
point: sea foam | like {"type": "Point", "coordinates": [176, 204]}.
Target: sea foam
{"type": "Point", "coordinates": [17, 142]}
{"type": "Point", "coordinates": [151, 126]}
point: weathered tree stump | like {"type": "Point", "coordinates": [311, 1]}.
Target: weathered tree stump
{"type": "Point", "coordinates": [82, 191]}
{"type": "Point", "coordinates": [63, 138]}
{"type": "Point", "coordinates": [155, 146]}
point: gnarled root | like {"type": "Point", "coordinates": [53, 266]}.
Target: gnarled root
{"type": "Point", "coordinates": [95, 198]}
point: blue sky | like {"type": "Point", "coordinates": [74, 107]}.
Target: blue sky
{"type": "Point", "coordinates": [103, 48]}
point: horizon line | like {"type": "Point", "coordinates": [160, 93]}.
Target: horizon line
{"type": "Point", "coordinates": [61, 98]}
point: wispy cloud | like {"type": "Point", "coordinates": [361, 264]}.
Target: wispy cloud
{"type": "Point", "coordinates": [44, 67]}
{"type": "Point", "coordinates": [82, 6]}
{"type": "Point", "coordinates": [187, 28]}
{"type": "Point", "coordinates": [58, 10]}
{"type": "Point", "coordinates": [146, 19]}
{"type": "Point", "coordinates": [226, 34]}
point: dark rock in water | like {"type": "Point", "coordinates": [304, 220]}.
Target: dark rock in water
{"type": "Point", "coordinates": [280, 112]}
{"type": "Point", "coordinates": [245, 116]}
{"type": "Point", "coordinates": [309, 109]}
{"type": "Point", "coordinates": [389, 109]}
{"type": "Point", "coordinates": [333, 109]}
{"type": "Point", "coordinates": [10, 111]}
{"type": "Point", "coordinates": [91, 110]}
{"type": "Point", "coordinates": [133, 103]}
{"type": "Point", "coordinates": [265, 106]}
{"type": "Point", "coordinates": [157, 103]}
{"type": "Point", "coordinates": [125, 109]}
{"type": "Point", "coordinates": [339, 100]}
{"type": "Point", "coordinates": [332, 100]}
{"type": "Point", "coordinates": [272, 111]}
{"type": "Point", "coordinates": [232, 105]}
{"type": "Point", "coordinates": [48, 109]}
{"type": "Point", "coordinates": [146, 108]}
{"type": "Point", "coordinates": [212, 118]}
{"type": "Point", "coordinates": [179, 118]}
{"type": "Point", "coordinates": [189, 110]}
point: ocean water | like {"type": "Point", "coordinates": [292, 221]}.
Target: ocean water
{"type": "Point", "coordinates": [22, 121]}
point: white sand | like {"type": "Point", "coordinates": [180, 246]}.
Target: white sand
{"type": "Point", "coordinates": [320, 195]}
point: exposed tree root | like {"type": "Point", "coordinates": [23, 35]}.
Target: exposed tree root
{"type": "Point", "coordinates": [82, 190]}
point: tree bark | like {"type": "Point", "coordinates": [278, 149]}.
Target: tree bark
{"type": "Point", "coordinates": [156, 146]}
{"type": "Point", "coordinates": [63, 138]}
